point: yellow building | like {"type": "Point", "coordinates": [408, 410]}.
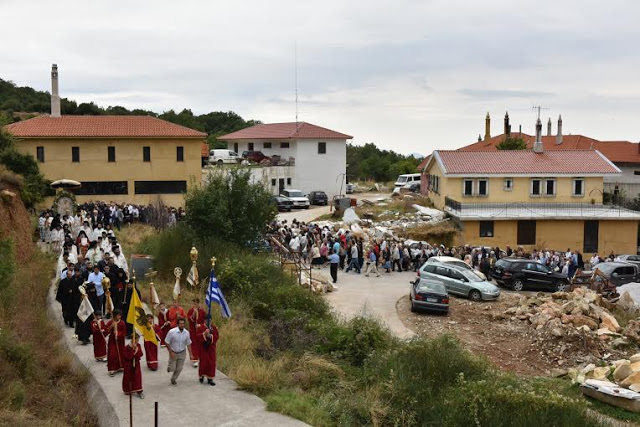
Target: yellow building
{"type": "Point", "coordinates": [116, 158]}
{"type": "Point", "coordinates": [531, 198]}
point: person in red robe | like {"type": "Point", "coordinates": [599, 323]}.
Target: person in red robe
{"type": "Point", "coordinates": [132, 378]}
{"type": "Point", "coordinates": [98, 328]}
{"type": "Point", "coordinates": [196, 316]}
{"type": "Point", "coordinates": [206, 338]}
{"type": "Point", "coordinates": [174, 312]}
{"type": "Point", "coordinates": [164, 323]}
{"type": "Point", "coordinates": [151, 348]}
{"type": "Point", "coordinates": [117, 330]}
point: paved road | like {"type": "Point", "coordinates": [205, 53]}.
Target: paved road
{"type": "Point", "coordinates": [372, 296]}
{"type": "Point", "coordinates": [314, 212]}
{"type": "Point", "coordinates": [189, 403]}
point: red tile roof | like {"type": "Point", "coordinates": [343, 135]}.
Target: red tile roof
{"type": "Point", "coordinates": [293, 130]}
{"type": "Point", "coordinates": [100, 127]}
{"type": "Point", "coordinates": [204, 150]}
{"type": "Point", "coordinates": [524, 162]}
{"type": "Point", "coordinates": [616, 151]}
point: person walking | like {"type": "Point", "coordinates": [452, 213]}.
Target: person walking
{"type": "Point", "coordinates": [372, 264]}
{"type": "Point", "coordinates": [178, 342]}
{"type": "Point", "coordinates": [334, 261]}
{"type": "Point", "coordinates": [207, 337]}
{"type": "Point", "coordinates": [354, 263]}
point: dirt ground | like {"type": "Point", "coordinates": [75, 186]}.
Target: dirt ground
{"type": "Point", "coordinates": [511, 344]}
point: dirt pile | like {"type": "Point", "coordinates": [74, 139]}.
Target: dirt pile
{"type": "Point", "coordinates": [16, 223]}
{"type": "Point", "coordinates": [623, 372]}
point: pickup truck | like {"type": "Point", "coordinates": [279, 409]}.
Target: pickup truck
{"type": "Point", "coordinates": [619, 273]}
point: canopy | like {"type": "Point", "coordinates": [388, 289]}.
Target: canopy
{"type": "Point", "coordinates": [65, 183]}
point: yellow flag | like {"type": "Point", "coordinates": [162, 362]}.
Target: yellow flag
{"type": "Point", "coordinates": [138, 318]}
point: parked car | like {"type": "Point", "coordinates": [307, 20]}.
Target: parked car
{"type": "Point", "coordinates": [318, 198]}
{"type": "Point", "coordinates": [429, 295]}
{"type": "Point", "coordinates": [413, 187]}
{"type": "Point", "coordinates": [282, 203]}
{"type": "Point", "coordinates": [297, 197]}
{"type": "Point", "coordinates": [407, 178]}
{"type": "Point", "coordinates": [619, 273]}
{"type": "Point", "coordinates": [254, 156]}
{"type": "Point", "coordinates": [634, 259]}
{"type": "Point", "coordinates": [518, 274]}
{"type": "Point", "coordinates": [219, 157]}
{"type": "Point", "coordinates": [458, 263]}
{"type": "Point", "coordinates": [349, 188]}
{"type": "Point", "coordinates": [459, 281]}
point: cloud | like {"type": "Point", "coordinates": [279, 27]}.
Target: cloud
{"type": "Point", "coordinates": [504, 93]}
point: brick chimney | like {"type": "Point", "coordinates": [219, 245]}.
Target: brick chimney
{"type": "Point", "coordinates": [537, 146]}
{"type": "Point", "coordinates": [559, 135]}
{"type": "Point", "coordinates": [507, 126]}
{"type": "Point", "coordinates": [487, 127]}
{"type": "Point", "coordinates": [55, 97]}
{"type": "Point", "coordinates": [549, 127]}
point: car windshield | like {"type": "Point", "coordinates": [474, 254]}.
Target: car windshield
{"type": "Point", "coordinates": [461, 264]}
{"type": "Point", "coordinates": [471, 276]}
{"type": "Point", "coordinates": [295, 193]}
{"type": "Point", "coordinates": [502, 263]}
{"type": "Point", "coordinates": [606, 268]}
{"type": "Point", "coordinates": [431, 287]}
{"type": "Point", "coordinates": [402, 179]}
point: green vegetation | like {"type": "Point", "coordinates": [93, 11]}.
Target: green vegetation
{"type": "Point", "coordinates": [368, 162]}
{"type": "Point", "coordinates": [512, 143]}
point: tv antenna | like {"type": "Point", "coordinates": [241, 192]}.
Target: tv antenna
{"type": "Point", "coordinates": [538, 108]}
{"type": "Point", "coordinates": [296, 76]}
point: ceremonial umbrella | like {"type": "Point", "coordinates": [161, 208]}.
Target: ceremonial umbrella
{"type": "Point", "coordinates": [65, 183]}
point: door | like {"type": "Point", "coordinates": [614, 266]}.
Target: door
{"type": "Point", "coordinates": [545, 277]}
{"type": "Point", "coordinates": [526, 232]}
{"type": "Point", "coordinates": [533, 275]}
{"type": "Point", "coordinates": [235, 147]}
{"type": "Point", "coordinates": [280, 185]}
{"type": "Point", "coordinates": [591, 229]}
{"type": "Point", "coordinates": [622, 275]}
{"type": "Point", "coordinates": [458, 282]}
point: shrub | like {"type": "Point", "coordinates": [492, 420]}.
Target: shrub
{"type": "Point", "coordinates": [7, 262]}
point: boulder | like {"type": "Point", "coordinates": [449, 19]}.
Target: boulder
{"type": "Point", "coordinates": [566, 318]}
{"type": "Point", "coordinates": [557, 332]}
{"type": "Point", "coordinates": [600, 373]}
{"type": "Point", "coordinates": [581, 320]}
{"type": "Point", "coordinates": [635, 358]}
{"type": "Point", "coordinates": [568, 307]}
{"type": "Point", "coordinates": [559, 295]}
{"type": "Point", "coordinates": [635, 387]}
{"type": "Point", "coordinates": [632, 331]}
{"type": "Point", "coordinates": [618, 343]}
{"type": "Point", "coordinates": [609, 322]}
{"type": "Point", "coordinates": [590, 367]}
{"type": "Point", "coordinates": [350, 216]}
{"type": "Point", "coordinates": [622, 371]}
{"type": "Point", "coordinates": [634, 378]}
{"type": "Point", "coordinates": [584, 329]}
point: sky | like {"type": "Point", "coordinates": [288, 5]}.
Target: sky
{"type": "Point", "coordinates": [407, 75]}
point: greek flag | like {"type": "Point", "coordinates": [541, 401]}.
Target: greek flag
{"type": "Point", "coordinates": [214, 294]}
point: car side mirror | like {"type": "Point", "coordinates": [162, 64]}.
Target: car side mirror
{"type": "Point", "coordinates": [549, 272]}
{"type": "Point", "coordinates": [615, 274]}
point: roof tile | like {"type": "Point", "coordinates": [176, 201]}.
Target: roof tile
{"type": "Point", "coordinates": [292, 130]}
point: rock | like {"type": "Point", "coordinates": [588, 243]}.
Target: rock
{"type": "Point", "coordinates": [566, 319]}
{"type": "Point", "coordinates": [600, 373]}
{"type": "Point", "coordinates": [635, 358]}
{"type": "Point", "coordinates": [590, 367]}
{"type": "Point", "coordinates": [635, 387]}
{"type": "Point", "coordinates": [584, 329]}
{"type": "Point", "coordinates": [634, 378]}
{"type": "Point", "coordinates": [581, 320]}
{"type": "Point", "coordinates": [632, 331]}
{"type": "Point", "coordinates": [511, 310]}
{"type": "Point", "coordinates": [635, 366]}
{"type": "Point", "coordinates": [609, 322]}
{"type": "Point", "coordinates": [559, 295]}
{"type": "Point", "coordinates": [618, 342]}
{"type": "Point", "coordinates": [622, 371]}
{"type": "Point", "coordinates": [568, 307]}
{"type": "Point", "coordinates": [605, 331]}
{"type": "Point", "coordinates": [557, 332]}
{"type": "Point", "coordinates": [350, 216]}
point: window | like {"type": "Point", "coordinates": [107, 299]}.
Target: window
{"type": "Point", "coordinates": [456, 275]}
{"type": "Point", "coordinates": [430, 268]}
{"type": "Point", "coordinates": [526, 233]}
{"type": "Point", "coordinates": [179, 154]}
{"type": "Point", "coordinates": [288, 181]}
{"type": "Point", "coordinates": [467, 187]}
{"type": "Point", "coordinates": [267, 145]}
{"type": "Point", "coordinates": [273, 182]}
{"type": "Point", "coordinates": [111, 154]}
{"type": "Point", "coordinates": [578, 187]}
{"type": "Point", "coordinates": [96, 188]}
{"type": "Point", "coordinates": [284, 145]}
{"type": "Point", "coordinates": [75, 154]}
{"type": "Point", "coordinates": [160, 187]}
{"type": "Point", "coordinates": [636, 172]}
{"type": "Point", "coordinates": [590, 236]}
{"type": "Point", "coordinates": [40, 154]}
{"type": "Point", "coordinates": [235, 147]}
{"type": "Point", "coordinates": [146, 154]}
{"type": "Point", "coordinates": [486, 228]}
{"type": "Point", "coordinates": [508, 184]}
{"type": "Point", "coordinates": [250, 146]}
{"type": "Point", "coordinates": [441, 271]}
{"type": "Point", "coordinates": [550, 187]}
{"type": "Point", "coordinates": [483, 187]}
{"type": "Point", "coordinates": [322, 148]}
{"type": "Point", "coordinates": [535, 187]}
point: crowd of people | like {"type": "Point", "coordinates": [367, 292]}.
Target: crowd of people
{"type": "Point", "coordinates": [345, 250]}
{"type": "Point", "coordinates": [92, 265]}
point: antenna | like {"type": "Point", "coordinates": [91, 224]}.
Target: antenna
{"type": "Point", "coordinates": [538, 108]}
{"type": "Point", "coordinates": [296, 73]}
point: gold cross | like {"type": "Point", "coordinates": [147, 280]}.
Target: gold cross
{"type": "Point", "coordinates": [213, 261]}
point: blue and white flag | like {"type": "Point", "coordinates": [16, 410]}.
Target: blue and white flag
{"type": "Point", "coordinates": [214, 294]}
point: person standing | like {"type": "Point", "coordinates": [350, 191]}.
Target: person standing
{"type": "Point", "coordinates": [117, 331]}
{"type": "Point", "coordinates": [174, 313]}
{"type": "Point", "coordinates": [354, 262]}
{"type": "Point", "coordinates": [151, 348]}
{"type": "Point", "coordinates": [196, 317]}
{"type": "Point", "coordinates": [206, 340]}
{"type": "Point", "coordinates": [65, 295]}
{"type": "Point", "coordinates": [132, 378]}
{"type": "Point", "coordinates": [178, 342]}
{"type": "Point", "coordinates": [99, 328]}
{"type": "Point", "coordinates": [334, 261]}
{"type": "Point", "coordinates": [96, 277]}
{"type": "Point", "coordinates": [163, 323]}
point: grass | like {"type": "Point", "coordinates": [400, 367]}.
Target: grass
{"type": "Point", "coordinates": [441, 233]}
{"type": "Point", "coordinates": [131, 235]}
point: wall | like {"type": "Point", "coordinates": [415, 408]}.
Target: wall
{"type": "Point", "coordinates": [258, 145]}
{"type": "Point", "coordinates": [129, 165]}
{"type": "Point", "coordinates": [618, 236]}
{"type": "Point", "coordinates": [264, 175]}
{"type": "Point", "coordinates": [325, 172]}
{"type": "Point", "coordinates": [627, 183]}
{"type": "Point", "coordinates": [446, 188]}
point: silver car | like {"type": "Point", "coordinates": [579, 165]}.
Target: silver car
{"type": "Point", "coordinates": [458, 263]}
{"type": "Point", "coordinates": [460, 281]}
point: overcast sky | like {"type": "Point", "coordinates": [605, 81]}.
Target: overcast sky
{"type": "Point", "coordinates": [409, 75]}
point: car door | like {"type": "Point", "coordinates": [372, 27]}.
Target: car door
{"type": "Point", "coordinates": [622, 275]}
{"type": "Point", "coordinates": [459, 282]}
{"type": "Point", "coordinates": [441, 274]}
{"type": "Point", "coordinates": [533, 276]}
{"type": "Point", "coordinates": [546, 278]}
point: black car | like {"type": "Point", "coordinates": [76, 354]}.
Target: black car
{"type": "Point", "coordinates": [517, 274]}
{"type": "Point", "coordinates": [427, 294]}
{"type": "Point", "coordinates": [318, 198]}
{"type": "Point", "coordinates": [282, 203]}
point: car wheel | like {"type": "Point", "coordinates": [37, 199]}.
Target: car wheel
{"type": "Point", "coordinates": [413, 307]}
{"type": "Point", "coordinates": [475, 295]}
{"type": "Point", "coordinates": [306, 207]}
{"type": "Point", "coordinates": [219, 162]}
{"type": "Point", "coordinates": [561, 286]}
{"type": "Point", "coordinates": [518, 285]}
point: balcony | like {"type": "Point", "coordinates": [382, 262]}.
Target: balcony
{"type": "Point", "coordinates": [525, 210]}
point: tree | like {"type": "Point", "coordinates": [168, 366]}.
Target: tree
{"type": "Point", "coordinates": [511, 143]}
{"type": "Point", "coordinates": [230, 207]}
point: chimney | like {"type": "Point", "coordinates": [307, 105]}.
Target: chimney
{"type": "Point", "coordinates": [559, 135]}
{"type": "Point", "coordinates": [487, 127]}
{"type": "Point", "coordinates": [549, 127]}
{"type": "Point", "coordinates": [537, 146]}
{"type": "Point", "coordinates": [507, 126]}
{"type": "Point", "coordinates": [480, 138]}
{"type": "Point", "coordinates": [55, 98]}
{"type": "Point", "coordinates": [520, 131]}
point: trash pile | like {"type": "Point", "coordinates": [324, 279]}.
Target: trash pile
{"type": "Point", "coordinates": [393, 220]}
{"type": "Point", "coordinates": [622, 372]}
{"type": "Point", "coordinates": [575, 327]}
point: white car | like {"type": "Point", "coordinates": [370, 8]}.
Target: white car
{"type": "Point", "coordinates": [297, 197]}
{"type": "Point", "coordinates": [458, 263]}
{"type": "Point", "coordinates": [219, 157]}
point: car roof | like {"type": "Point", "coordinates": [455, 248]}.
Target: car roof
{"type": "Point", "coordinates": [432, 282]}
{"type": "Point", "coordinates": [445, 259]}
{"type": "Point", "coordinates": [616, 264]}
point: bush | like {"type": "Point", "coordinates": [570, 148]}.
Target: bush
{"type": "Point", "coordinates": [7, 262]}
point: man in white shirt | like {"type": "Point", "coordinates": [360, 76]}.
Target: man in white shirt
{"type": "Point", "coordinates": [594, 259]}
{"type": "Point", "coordinates": [119, 259]}
{"type": "Point", "coordinates": [178, 340]}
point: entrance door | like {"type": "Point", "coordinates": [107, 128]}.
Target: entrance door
{"type": "Point", "coordinates": [591, 229]}
{"type": "Point", "coordinates": [280, 185]}
{"type": "Point", "coordinates": [526, 232]}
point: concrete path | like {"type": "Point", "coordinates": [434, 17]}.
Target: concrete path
{"type": "Point", "coordinates": [189, 403]}
{"type": "Point", "coordinates": [372, 296]}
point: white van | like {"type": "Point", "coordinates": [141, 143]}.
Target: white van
{"type": "Point", "coordinates": [218, 157]}
{"type": "Point", "coordinates": [407, 178]}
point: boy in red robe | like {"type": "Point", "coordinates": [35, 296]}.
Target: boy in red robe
{"type": "Point", "coordinates": [174, 313]}
{"type": "Point", "coordinates": [98, 327]}
{"type": "Point", "coordinates": [196, 317]}
{"type": "Point", "coordinates": [151, 348]}
{"type": "Point", "coordinates": [207, 339]}
{"type": "Point", "coordinates": [132, 378]}
{"type": "Point", "coordinates": [117, 330]}
{"type": "Point", "coordinates": [163, 322]}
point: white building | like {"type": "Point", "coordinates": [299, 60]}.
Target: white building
{"type": "Point", "coordinates": [306, 157]}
